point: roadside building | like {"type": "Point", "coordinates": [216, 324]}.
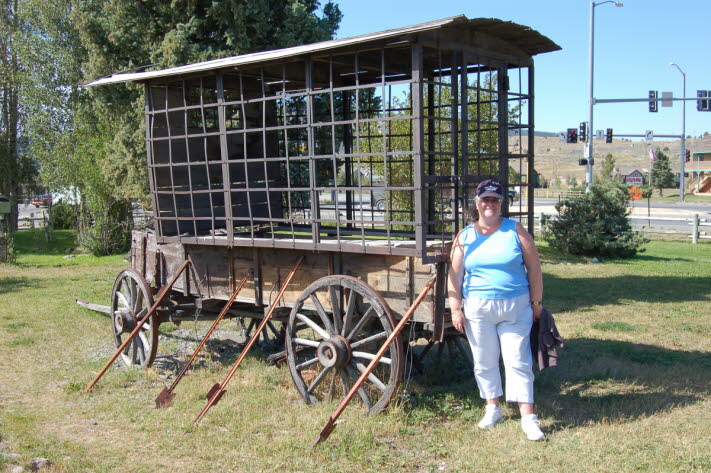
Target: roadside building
{"type": "Point", "coordinates": [700, 169]}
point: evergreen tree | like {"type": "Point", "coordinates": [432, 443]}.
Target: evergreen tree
{"type": "Point", "coordinates": [661, 172]}
{"type": "Point", "coordinates": [608, 171]}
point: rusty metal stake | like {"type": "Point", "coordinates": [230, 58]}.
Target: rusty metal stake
{"type": "Point", "coordinates": [328, 428]}
{"type": "Point", "coordinates": [167, 394]}
{"type": "Point", "coordinates": [164, 292]}
{"type": "Point", "coordinates": [218, 389]}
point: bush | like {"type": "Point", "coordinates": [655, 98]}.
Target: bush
{"type": "Point", "coordinates": [108, 232]}
{"type": "Point", "coordinates": [65, 215]}
{"type": "Point", "coordinates": [595, 224]}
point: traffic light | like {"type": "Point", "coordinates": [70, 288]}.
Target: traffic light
{"type": "Point", "coordinates": [608, 136]}
{"type": "Point", "coordinates": [688, 155]}
{"type": "Point", "coordinates": [583, 131]}
{"type": "Point", "coordinates": [703, 105]}
{"type": "Point", "coordinates": [571, 136]}
{"type": "Point", "coordinates": [653, 103]}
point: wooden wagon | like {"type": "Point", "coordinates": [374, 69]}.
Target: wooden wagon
{"type": "Point", "coordinates": [354, 156]}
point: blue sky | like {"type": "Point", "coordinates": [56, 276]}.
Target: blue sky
{"type": "Point", "coordinates": [633, 48]}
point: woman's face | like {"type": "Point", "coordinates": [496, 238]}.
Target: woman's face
{"type": "Point", "coordinates": [488, 207]}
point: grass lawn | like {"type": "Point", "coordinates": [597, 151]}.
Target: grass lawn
{"type": "Point", "coordinates": [632, 391]}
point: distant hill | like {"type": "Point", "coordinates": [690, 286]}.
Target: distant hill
{"type": "Point", "coordinates": [554, 158]}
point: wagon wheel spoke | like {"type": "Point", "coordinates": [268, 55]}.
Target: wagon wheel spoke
{"type": "Point", "coordinates": [371, 377]}
{"type": "Point", "coordinates": [361, 323]}
{"type": "Point", "coordinates": [350, 309]}
{"type": "Point", "coordinates": [370, 339]}
{"type": "Point", "coordinates": [370, 356]}
{"type": "Point", "coordinates": [307, 363]}
{"type": "Point", "coordinates": [318, 379]}
{"type": "Point", "coordinates": [123, 302]}
{"type": "Point", "coordinates": [306, 342]}
{"type": "Point", "coordinates": [313, 325]}
{"type": "Point", "coordinates": [331, 388]}
{"type": "Point", "coordinates": [322, 313]}
{"type": "Point", "coordinates": [361, 390]}
{"type": "Point", "coordinates": [334, 293]}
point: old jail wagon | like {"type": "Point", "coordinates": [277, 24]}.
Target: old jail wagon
{"type": "Point", "coordinates": [356, 157]}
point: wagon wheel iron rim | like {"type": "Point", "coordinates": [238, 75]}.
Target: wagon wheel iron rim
{"type": "Point", "coordinates": [131, 298]}
{"type": "Point", "coordinates": [327, 354]}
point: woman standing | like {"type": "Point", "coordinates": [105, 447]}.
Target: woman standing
{"type": "Point", "coordinates": [495, 287]}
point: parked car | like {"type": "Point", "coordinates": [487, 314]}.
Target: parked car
{"type": "Point", "coordinates": [44, 200]}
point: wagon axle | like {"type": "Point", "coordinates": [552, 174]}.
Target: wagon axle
{"type": "Point", "coordinates": [334, 352]}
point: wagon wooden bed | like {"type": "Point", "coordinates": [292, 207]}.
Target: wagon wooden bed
{"type": "Point", "coordinates": [357, 155]}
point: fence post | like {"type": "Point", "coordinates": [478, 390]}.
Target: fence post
{"type": "Point", "coordinates": [695, 230]}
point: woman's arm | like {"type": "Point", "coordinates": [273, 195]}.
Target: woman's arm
{"type": "Point", "coordinates": [533, 268]}
{"type": "Point", "coordinates": [454, 284]}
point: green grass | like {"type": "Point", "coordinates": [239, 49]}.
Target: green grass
{"type": "Point", "coordinates": [631, 392]}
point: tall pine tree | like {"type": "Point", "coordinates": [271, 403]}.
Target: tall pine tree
{"type": "Point", "coordinates": [661, 172]}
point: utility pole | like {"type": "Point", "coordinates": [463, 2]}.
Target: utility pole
{"type": "Point", "coordinates": [682, 184]}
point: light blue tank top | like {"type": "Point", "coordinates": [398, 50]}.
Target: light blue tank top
{"type": "Point", "coordinates": [493, 265]}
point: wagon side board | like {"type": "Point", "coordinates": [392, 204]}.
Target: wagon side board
{"type": "Point", "coordinates": [215, 269]}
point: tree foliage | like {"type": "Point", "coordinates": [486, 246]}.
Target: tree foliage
{"type": "Point", "coordinates": [661, 172]}
{"type": "Point", "coordinates": [595, 224]}
{"type": "Point", "coordinates": [608, 171]}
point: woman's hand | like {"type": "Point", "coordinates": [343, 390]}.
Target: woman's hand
{"type": "Point", "coordinates": [458, 320]}
{"type": "Point", "coordinates": [537, 309]}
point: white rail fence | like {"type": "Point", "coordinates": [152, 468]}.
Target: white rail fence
{"type": "Point", "coordinates": [695, 222]}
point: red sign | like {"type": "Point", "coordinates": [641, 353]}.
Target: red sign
{"type": "Point", "coordinates": [634, 180]}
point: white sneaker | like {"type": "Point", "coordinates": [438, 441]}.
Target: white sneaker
{"type": "Point", "coordinates": [531, 426]}
{"type": "Point", "coordinates": [492, 416]}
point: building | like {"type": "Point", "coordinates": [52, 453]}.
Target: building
{"type": "Point", "coordinates": [700, 169]}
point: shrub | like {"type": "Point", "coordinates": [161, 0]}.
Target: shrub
{"type": "Point", "coordinates": [595, 224]}
{"type": "Point", "coordinates": [107, 232]}
{"type": "Point", "coordinates": [65, 215]}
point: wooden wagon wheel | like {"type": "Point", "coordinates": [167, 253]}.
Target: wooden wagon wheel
{"type": "Point", "coordinates": [130, 300]}
{"type": "Point", "coordinates": [329, 348]}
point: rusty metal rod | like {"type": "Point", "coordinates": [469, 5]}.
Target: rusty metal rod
{"type": "Point", "coordinates": [167, 394]}
{"type": "Point", "coordinates": [218, 390]}
{"type": "Point", "coordinates": [328, 428]}
{"type": "Point", "coordinates": [164, 292]}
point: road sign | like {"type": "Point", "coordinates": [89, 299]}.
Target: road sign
{"type": "Point", "coordinates": [668, 96]}
{"type": "Point", "coordinates": [562, 136]}
{"type": "Point", "coordinates": [649, 135]}
{"type": "Point", "coordinates": [587, 150]}
{"type": "Point", "coordinates": [600, 134]}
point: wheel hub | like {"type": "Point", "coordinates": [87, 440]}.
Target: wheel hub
{"type": "Point", "coordinates": [335, 351]}
{"type": "Point", "coordinates": [124, 321]}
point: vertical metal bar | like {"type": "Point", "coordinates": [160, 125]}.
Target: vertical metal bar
{"type": "Point", "coordinates": [430, 156]}
{"type": "Point", "coordinates": [531, 150]}
{"type": "Point", "coordinates": [286, 153]}
{"type": "Point", "coordinates": [386, 170]}
{"type": "Point", "coordinates": [264, 152]}
{"type": "Point", "coordinates": [207, 161]}
{"type": "Point", "coordinates": [313, 172]}
{"type": "Point", "coordinates": [226, 181]}
{"type": "Point", "coordinates": [170, 166]}
{"type": "Point", "coordinates": [417, 149]}
{"type": "Point", "coordinates": [336, 194]}
{"type": "Point", "coordinates": [148, 106]}
{"type": "Point", "coordinates": [359, 151]}
{"type": "Point", "coordinates": [247, 188]}
{"type": "Point", "coordinates": [188, 164]}
{"type": "Point", "coordinates": [455, 134]}
{"type": "Point", "coordinates": [465, 136]}
{"type": "Point", "coordinates": [503, 108]}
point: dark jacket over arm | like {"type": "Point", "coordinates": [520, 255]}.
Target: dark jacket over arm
{"type": "Point", "coordinates": [545, 340]}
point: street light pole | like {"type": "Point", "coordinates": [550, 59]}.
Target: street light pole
{"type": "Point", "coordinates": [591, 43]}
{"type": "Point", "coordinates": [682, 185]}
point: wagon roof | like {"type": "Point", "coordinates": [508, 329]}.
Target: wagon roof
{"type": "Point", "coordinates": [526, 39]}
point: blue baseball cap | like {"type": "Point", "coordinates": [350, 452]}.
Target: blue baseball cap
{"type": "Point", "coordinates": [490, 188]}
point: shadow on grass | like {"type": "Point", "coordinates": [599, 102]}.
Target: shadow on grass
{"type": "Point", "coordinates": [8, 285]}
{"type": "Point", "coordinates": [566, 294]}
{"type": "Point", "coordinates": [596, 381]}
{"type": "Point", "coordinates": [600, 380]}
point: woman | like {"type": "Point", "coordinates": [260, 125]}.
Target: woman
{"type": "Point", "coordinates": [494, 300]}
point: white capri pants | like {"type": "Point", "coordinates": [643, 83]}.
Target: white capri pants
{"type": "Point", "coordinates": [501, 327]}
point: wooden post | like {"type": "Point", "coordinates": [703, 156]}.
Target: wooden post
{"type": "Point", "coordinates": [695, 230]}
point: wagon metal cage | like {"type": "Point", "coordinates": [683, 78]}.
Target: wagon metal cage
{"type": "Point", "coordinates": [368, 145]}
